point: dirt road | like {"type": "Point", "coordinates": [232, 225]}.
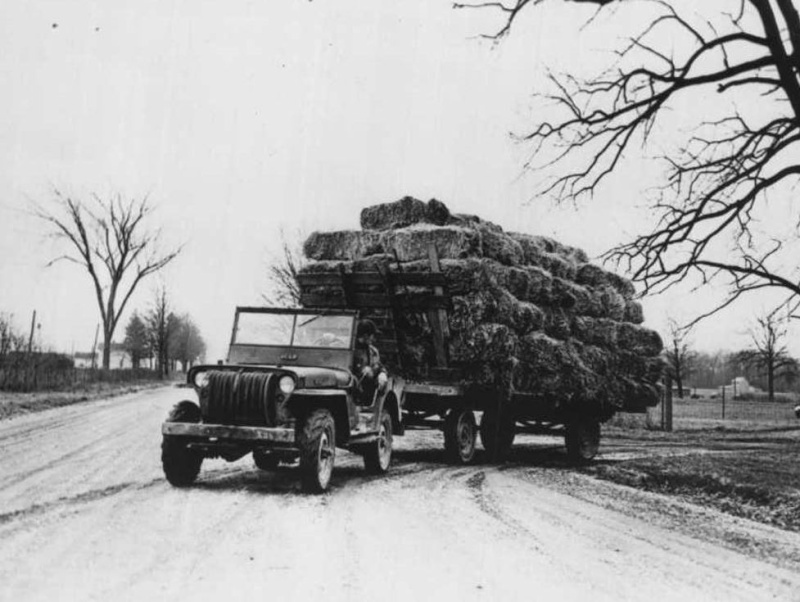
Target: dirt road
{"type": "Point", "coordinates": [85, 514]}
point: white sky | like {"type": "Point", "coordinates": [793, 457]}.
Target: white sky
{"type": "Point", "coordinates": [240, 118]}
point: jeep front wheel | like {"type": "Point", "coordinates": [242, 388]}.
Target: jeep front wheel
{"type": "Point", "coordinates": [181, 465]}
{"type": "Point", "coordinates": [317, 442]}
{"type": "Point", "coordinates": [378, 456]}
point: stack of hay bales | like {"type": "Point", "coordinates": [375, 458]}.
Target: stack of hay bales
{"type": "Point", "coordinates": [527, 311]}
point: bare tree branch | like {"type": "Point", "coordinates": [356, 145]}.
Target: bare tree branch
{"type": "Point", "coordinates": [110, 239]}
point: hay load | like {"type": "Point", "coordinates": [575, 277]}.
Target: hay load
{"type": "Point", "coordinates": [525, 310]}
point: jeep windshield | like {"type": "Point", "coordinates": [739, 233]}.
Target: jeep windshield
{"type": "Point", "coordinates": [306, 329]}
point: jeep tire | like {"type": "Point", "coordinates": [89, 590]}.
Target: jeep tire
{"type": "Point", "coordinates": [317, 442]}
{"type": "Point", "coordinates": [378, 455]}
{"type": "Point", "coordinates": [181, 465]}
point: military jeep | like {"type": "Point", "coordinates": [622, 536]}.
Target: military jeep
{"type": "Point", "coordinates": [287, 392]}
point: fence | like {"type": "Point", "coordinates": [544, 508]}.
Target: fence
{"type": "Point", "coordinates": [26, 379]}
{"type": "Point", "coordinates": [713, 409]}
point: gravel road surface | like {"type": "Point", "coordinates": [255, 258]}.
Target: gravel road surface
{"type": "Point", "coordinates": [85, 514]}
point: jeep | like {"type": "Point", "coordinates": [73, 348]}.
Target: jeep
{"type": "Point", "coordinates": [286, 393]}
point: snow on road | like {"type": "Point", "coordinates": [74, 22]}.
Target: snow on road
{"type": "Point", "coordinates": [85, 514]}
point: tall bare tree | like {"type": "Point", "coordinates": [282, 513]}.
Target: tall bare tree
{"type": "Point", "coordinates": [111, 239]}
{"type": "Point", "coordinates": [679, 354]}
{"type": "Point", "coordinates": [731, 158]}
{"type": "Point", "coordinates": [162, 326]}
{"type": "Point", "coordinates": [282, 274]}
{"type": "Point", "coordinates": [769, 354]}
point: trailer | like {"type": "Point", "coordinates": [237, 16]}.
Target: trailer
{"type": "Point", "coordinates": [445, 398]}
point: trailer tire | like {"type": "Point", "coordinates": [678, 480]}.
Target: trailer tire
{"type": "Point", "coordinates": [496, 442]}
{"type": "Point", "coordinates": [317, 442]}
{"type": "Point", "coordinates": [582, 438]}
{"type": "Point", "coordinates": [181, 465]}
{"type": "Point", "coordinates": [459, 436]}
{"type": "Point", "coordinates": [378, 455]}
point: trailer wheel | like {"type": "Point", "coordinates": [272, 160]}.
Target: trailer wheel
{"type": "Point", "coordinates": [497, 441]}
{"type": "Point", "coordinates": [582, 439]}
{"type": "Point", "coordinates": [459, 436]}
{"type": "Point", "coordinates": [181, 465]}
{"type": "Point", "coordinates": [317, 442]}
{"type": "Point", "coordinates": [265, 460]}
{"type": "Point", "coordinates": [378, 456]}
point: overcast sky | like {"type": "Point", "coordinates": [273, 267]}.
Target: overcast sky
{"type": "Point", "coordinates": [242, 118]}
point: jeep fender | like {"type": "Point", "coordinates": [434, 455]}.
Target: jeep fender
{"type": "Point", "coordinates": [392, 403]}
{"type": "Point", "coordinates": [303, 401]}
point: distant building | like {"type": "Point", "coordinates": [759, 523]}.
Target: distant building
{"type": "Point", "coordinates": [738, 386]}
{"type": "Point", "coordinates": [84, 359]}
{"type": "Point", "coordinates": [120, 359]}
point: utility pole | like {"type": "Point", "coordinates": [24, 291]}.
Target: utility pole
{"type": "Point", "coordinates": [30, 338]}
{"type": "Point", "coordinates": [94, 346]}
{"type": "Point", "coordinates": [723, 402]}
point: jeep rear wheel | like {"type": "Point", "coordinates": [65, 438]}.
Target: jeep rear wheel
{"type": "Point", "coordinates": [317, 442]}
{"type": "Point", "coordinates": [378, 456]}
{"type": "Point", "coordinates": [459, 436]}
{"type": "Point", "coordinates": [181, 465]}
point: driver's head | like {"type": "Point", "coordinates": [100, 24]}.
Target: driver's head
{"type": "Point", "coordinates": [366, 331]}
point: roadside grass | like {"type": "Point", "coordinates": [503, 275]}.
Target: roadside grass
{"type": "Point", "coordinates": [748, 467]}
{"type": "Point", "coordinates": [14, 404]}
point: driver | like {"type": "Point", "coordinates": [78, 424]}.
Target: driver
{"type": "Point", "coordinates": [368, 367]}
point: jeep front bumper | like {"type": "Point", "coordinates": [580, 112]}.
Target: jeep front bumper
{"type": "Point", "coordinates": [213, 433]}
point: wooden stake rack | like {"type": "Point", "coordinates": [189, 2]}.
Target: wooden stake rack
{"type": "Point", "coordinates": [379, 295]}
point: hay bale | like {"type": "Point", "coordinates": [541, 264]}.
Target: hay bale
{"type": "Point", "coordinates": [565, 294]}
{"type": "Point", "coordinates": [411, 244]}
{"type": "Point", "coordinates": [540, 286]}
{"type": "Point", "coordinates": [558, 265]}
{"type": "Point", "coordinates": [594, 276]}
{"type": "Point", "coordinates": [633, 312]}
{"type": "Point", "coordinates": [499, 246]}
{"type": "Point", "coordinates": [471, 275]}
{"type": "Point", "coordinates": [612, 303]}
{"type": "Point", "coordinates": [638, 339]}
{"type": "Point", "coordinates": [405, 212]}
{"type": "Point", "coordinates": [495, 305]}
{"type": "Point", "coordinates": [532, 248]}
{"type": "Point", "coordinates": [557, 323]}
{"type": "Point", "coordinates": [595, 331]}
{"type": "Point", "coordinates": [342, 245]}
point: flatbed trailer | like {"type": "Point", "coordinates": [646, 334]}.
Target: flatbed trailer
{"type": "Point", "coordinates": [445, 399]}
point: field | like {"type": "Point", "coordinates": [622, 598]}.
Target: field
{"type": "Point", "coordinates": [747, 464]}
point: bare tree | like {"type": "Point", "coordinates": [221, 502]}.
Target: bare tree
{"type": "Point", "coordinates": [282, 274]}
{"type": "Point", "coordinates": [162, 325]}
{"type": "Point", "coordinates": [769, 354]}
{"type": "Point", "coordinates": [111, 240]}
{"type": "Point", "coordinates": [679, 355]}
{"type": "Point", "coordinates": [726, 164]}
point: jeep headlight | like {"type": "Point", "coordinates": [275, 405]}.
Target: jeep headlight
{"type": "Point", "coordinates": [286, 384]}
{"type": "Point", "coordinates": [201, 380]}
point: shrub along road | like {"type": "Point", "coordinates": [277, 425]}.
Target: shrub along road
{"type": "Point", "coordinates": [85, 514]}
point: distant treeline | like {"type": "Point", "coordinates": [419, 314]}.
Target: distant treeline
{"type": "Point", "coordinates": [713, 370]}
